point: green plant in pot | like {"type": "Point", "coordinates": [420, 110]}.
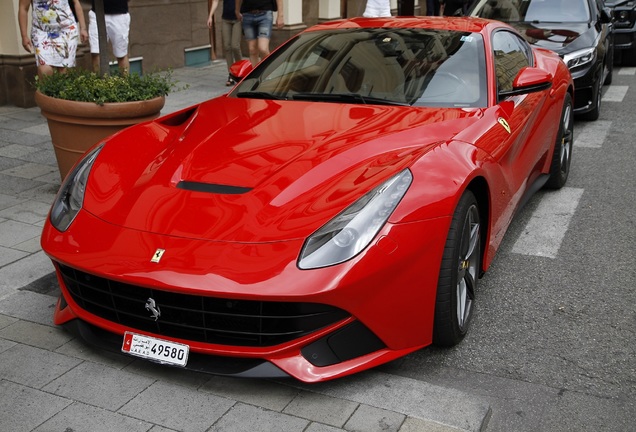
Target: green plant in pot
{"type": "Point", "coordinates": [82, 107]}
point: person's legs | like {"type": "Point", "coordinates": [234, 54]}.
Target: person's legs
{"type": "Point", "coordinates": [118, 29]}
{"type": "Point", "coordinates": [265, 22]}
{"type": "Point", "coordinates": [226, 35]}
{"type": "Point", "coordinates": [237, 33]}
{"type": "Point", "coordinates": [258, 31]}
{"type": "Point", "coordinates": [45, 70]}
{"type": "Point", "coordinates": [250, 32]}
{"type": "Point", "coordinates": [93, 40]}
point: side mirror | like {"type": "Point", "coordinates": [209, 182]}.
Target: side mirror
{"type": "Point", "coordinates": [528, 80]}
{"type": "Point", "coordinates": [240, 69]}
{"type": "Point", "coordinates": [606, 15]}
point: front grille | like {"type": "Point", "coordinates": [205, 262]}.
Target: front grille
{"type": "Point", "coordinates": [198, 318]}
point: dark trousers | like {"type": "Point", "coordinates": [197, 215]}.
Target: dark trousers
{"type": "Point", "coordinates": [432, 7]}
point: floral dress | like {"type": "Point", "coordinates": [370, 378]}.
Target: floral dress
{"type": "Point", "coordinates": [54, 33]}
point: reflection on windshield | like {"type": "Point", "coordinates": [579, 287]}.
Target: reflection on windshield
{"type": "Point", "coordinates": [392, 66]}
{"type": "Point", "coordinates": [533, 10]}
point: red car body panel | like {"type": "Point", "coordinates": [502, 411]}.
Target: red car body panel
{"type": "Point", "coordinates": [302, 163]}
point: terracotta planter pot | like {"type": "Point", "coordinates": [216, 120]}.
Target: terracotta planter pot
{"type": "Point", "coordinates": [77, 126]}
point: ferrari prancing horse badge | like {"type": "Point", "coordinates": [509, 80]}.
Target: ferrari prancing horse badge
{"type": "Point", "coordinates": [157, 256]}
{"type": "Point", "coordinates": [502, 121]}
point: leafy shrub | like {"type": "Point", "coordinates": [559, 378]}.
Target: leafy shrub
{"type": "Point", "coordinates": [85, 86]}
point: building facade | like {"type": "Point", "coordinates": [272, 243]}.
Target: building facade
{"type": "Point", "coordinates": [163, 34]}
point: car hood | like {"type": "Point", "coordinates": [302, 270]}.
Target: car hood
{"type": "Point", "coordinates": [249, 170]}
{"type": "Point", "coordinates": [563, 38]}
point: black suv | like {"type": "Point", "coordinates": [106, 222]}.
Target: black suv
{"type": "Point", "coordinates": [580, 31]}
{"type": "Point", "coordinates": [624, 31]}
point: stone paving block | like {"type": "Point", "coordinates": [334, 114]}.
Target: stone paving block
{"type": "Point", "coordinates": [44, 156]}
{"type": "Point", "coordinates": [98, 385]}
{"type": "Point", "coordinates": [17, 184]}
{"type": "Point", "coordinates": [23, 408]}
{"type": "Point", "coordinates": [9, 255]}
{"type": "Point", "coordinates": [16, 151]}
{"type": "Point", "coordinates": [411, 397]}
{"type": "Point", "coordinates": [6, 344]}
{"type": "Point", "coordinates": [10, 201]}
{"type": "Point", "coordinates": [420, 425]}
{"type": "Point", "coordinates": [177, 407]}
{"type": "Point", "coordinates": [242, 417]}
{"type": "Point", "coordinates": [79, 349]}
{"type": "Point", "coordinates": [319, 427]}
{"type": "Point", "coordinates": [371, 419]}
{"type": "Point", "coordinates": [82, 417]}
{"type": "Point", "coordinates": [33, 367]}
{"type": "Point", "coordinates": [13, 233]}
{"type": "Point", "coordinates": [6, 320]}
{"type": "Point", "coordinates": [6, 163]}
{"type": "Point", "coordinates": [30, 246]}
{"type": "Point", "coordinates": [45, 192]}
{"type": "Point", "coordinates": [38, 129]}
{"type": "Point", "coordinates": [37, 335]}
{"type": "Point", "coordinates": [29, 306]}
{"type": "Point", "coordinates": [30, 212]}
{"type": "Point", "coordinates": [161, 429]}
{"type": "Point", "coordinates": [266, 394]}
{"type": "Point", "coordinates": [321, 408]}
{"type": "Point", "coordinates": [17, 136]}
{"type": "Point", "coordinates": [31, 170]}
{"type": "Point", "coordinates": [23, 273]}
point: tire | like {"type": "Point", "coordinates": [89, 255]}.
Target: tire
{"type": "Point", "coordinates": [562, 156]}
{"type": "Point", "coordinates": [458, 276]}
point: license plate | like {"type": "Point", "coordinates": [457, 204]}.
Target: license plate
{"type": "Point", "coordinates": [157, 350]}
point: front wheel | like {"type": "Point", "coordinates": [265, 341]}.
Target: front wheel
{"type": "Point", "coordinates": [458, 274]}
{"type": "Point", "coordinates": [562, 157]}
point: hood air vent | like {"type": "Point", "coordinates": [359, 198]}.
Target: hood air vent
{"type": "Point", "coordinates": [212, 188]}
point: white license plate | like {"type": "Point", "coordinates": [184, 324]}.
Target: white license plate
{"type": "Point", "coordinates": [157, 350]}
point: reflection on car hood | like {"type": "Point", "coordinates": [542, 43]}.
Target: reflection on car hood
{"type": "Point", "coordinates": [250, 170]}
{"type": "Point", "coordinates": [562, 38]}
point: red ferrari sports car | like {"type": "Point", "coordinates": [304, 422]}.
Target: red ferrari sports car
{"type": "Point", "coordinates": [333, 212]}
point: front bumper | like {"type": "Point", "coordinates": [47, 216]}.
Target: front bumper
{"type": "Point", "coordinates": [388, 294]}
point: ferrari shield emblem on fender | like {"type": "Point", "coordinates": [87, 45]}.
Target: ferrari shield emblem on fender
{"type": "Point", "coordinates": [157, 256]}
{"type": "Point", "coordinates": [502, 121]}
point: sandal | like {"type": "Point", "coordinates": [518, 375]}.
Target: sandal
{"type": "Point", "coordinates": [229, 82]}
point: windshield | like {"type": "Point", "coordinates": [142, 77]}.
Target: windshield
{"type": "Point", "coordinates": [533, 10]}
{"type": "Point", "coordinates": [395, 66]}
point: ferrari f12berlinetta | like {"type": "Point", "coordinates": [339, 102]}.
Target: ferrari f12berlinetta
{"type": "Point", "coordinates": [333, 212]}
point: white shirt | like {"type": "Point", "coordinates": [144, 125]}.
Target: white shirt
{"type": "Point", "coordinates": [377, 8]}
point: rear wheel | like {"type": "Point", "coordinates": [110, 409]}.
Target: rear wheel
{"type": "Point", "coordinates": [562, 157]}
{"type": "Point", "coordinates": [458, 274]}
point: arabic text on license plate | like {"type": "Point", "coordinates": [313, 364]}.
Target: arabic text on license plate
{"type": "Point", "coordinates": [154, 349]}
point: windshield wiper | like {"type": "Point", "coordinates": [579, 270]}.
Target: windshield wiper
{"type": "Point", "coordinates": [259, 95]}
{"type": "Point", "coordinates": [346, 98]}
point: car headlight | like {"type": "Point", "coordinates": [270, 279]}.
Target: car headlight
{"type": "Point", "coordinates": [580, 58]}
{"type": "Point", "coordinates": [347, 234]}
{"type": "Point", "coordinates": [70, 198]}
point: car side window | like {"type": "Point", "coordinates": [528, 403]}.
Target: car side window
{"type": "Point", "coordinates": [511, 54]}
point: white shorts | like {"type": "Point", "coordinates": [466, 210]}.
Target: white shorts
{"type": "Point", "coordinates": [117, 30]}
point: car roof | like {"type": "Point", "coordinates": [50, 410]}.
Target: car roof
{"type": "Point", "coordinates": [468, 24]}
